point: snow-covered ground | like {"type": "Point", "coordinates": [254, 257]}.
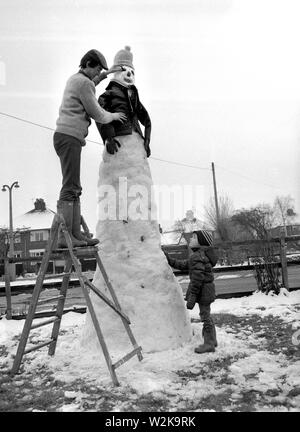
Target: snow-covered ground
{"type": "Point", "coordinates": [30, 279]}
{"type": "Point", "coordinates": [250, 370]}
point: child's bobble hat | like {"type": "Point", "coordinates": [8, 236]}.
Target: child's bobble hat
{"type": "Point", "coordinates": [124, 57]}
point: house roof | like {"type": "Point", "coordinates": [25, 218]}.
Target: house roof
{"type": "Point", "coordinates": [40, 217]}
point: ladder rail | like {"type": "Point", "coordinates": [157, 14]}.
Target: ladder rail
{"type": "Point", "coordinates": [60, 305]}
{"type": "Point", "coordinates": [105, 299]}
{"type": "Point", "coordinates": [114, 296]}
{"type": "Point", "coordinates": [92, 311]}
{"type": "Point", "coordinates": [35, 296]}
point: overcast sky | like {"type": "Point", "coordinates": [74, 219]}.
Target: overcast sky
{"type": "Point", "coordinates": [219, 78]}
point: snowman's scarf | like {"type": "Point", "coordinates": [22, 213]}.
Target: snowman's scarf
{"type": "Point", "coordinates": [121, 83]}
{"type": "Point", "coordinates": [130, 87]}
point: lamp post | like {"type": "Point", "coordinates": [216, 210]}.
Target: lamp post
{"type": "Point", "coordinates": [11, 234]}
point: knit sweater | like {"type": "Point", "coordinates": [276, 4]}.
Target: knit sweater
{"type": "Point", "coordinates": [79, 105]}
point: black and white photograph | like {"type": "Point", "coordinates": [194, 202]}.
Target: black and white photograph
{"type": "Point", "coordinates": [150, 209]}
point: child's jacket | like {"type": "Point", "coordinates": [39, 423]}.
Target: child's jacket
{"type": "Point", "coordinates": [199, 265]}
{"type": "Point", "coordinates": [117, 98]}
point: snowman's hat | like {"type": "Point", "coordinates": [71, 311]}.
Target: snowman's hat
{"type": "Point", "coordinates": [123, 58]}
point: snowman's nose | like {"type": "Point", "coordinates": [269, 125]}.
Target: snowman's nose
{"type": "Point", "coordinates": [128, 73]}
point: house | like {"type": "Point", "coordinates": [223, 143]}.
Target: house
{"type": "Point", "coordinates": [290, 230]}
{"type": "Point", "coordinates": [31, 235]}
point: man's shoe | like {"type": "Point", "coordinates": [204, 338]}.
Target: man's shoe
{"type": "Point", "coordinates": [65, 208]}
{"type": "Point", "coordinates": [77, 226]}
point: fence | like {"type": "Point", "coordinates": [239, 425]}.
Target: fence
{"type": "Point", "coordinates": [8, 261]}
{"type": "Point", "coordinates": [281, 243]}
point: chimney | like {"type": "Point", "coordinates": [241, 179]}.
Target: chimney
{"type": "Point", "coordinates": [39, 205]}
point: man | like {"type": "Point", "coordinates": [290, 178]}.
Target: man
{"type": "Point", "coordinates": [79, 105]}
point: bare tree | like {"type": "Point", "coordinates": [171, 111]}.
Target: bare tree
{"type": "Point", "coordinates": [284, 210]}
{"type": "Point", "coordinates": [258, 221]}
{"type": "Point", "coordinates": [223, 226]}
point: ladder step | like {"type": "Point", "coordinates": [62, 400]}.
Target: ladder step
{"type": "Point", "coordinates": [56, 276]}
{"type": "Point", "coordinates": [41, 324]}
{"type": "Point", "coordinates": [36, 347]}
{"type": "Point", "coordinates": [127, 357]}
{"type": "Point", "coordinates": [106, 299]}
{"type": "Point", "coordinates": [81, 249]}
{"type": "Point", "coordinates": [60, 297]}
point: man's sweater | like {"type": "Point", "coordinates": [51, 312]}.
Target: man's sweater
{"type": "Point", "coordinates": [79, 105]}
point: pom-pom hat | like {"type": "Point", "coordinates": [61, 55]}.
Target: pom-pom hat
{"type": "Point", "coordinates": [205, 238]}
{"type": "Point", "coordinates": [124, 58]}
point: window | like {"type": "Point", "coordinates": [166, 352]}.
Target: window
{"type": "Point", "coordinates": [36, 236]}
{"type": "Point", "coordinates": [18, 254]}
{"type": "Point", "coordinates": [36, 252]}
{"type": "Point", "coordinates": [17, 238]}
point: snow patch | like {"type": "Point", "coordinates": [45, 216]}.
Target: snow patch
{"type": "Point", "coordinates": [176, 374]}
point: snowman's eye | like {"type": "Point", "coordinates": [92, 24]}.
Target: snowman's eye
{"type": "Point", "coordinates": [132, 73]}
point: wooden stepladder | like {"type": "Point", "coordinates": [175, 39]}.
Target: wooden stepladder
{"type": "Point", "coordinates": [71, 256]}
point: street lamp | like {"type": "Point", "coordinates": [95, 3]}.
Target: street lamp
{"type": "Point", "coordinates": [11, 234]}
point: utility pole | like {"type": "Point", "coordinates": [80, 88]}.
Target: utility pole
{"type": "Point", "coordinates": [216, 196]}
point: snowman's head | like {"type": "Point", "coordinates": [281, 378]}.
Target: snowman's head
{"type": "Point", "coordinates": [125, 76]}
{"type": "Point", "coordinates": [124, 58]}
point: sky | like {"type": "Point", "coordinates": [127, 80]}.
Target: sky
{"type": "Point", "coordinates": [219, 78]}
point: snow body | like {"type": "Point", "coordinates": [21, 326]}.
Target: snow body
{"type": "Point", "coordinates": [130, 251]}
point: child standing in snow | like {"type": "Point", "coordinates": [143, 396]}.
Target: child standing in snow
{"type": "Point", "coordinates": [201, 289]}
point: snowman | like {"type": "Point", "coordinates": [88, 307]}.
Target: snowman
{"type": "Point", "coordinates": [121, 94]}
{"type": "Point", "coordinates": [129, 234]}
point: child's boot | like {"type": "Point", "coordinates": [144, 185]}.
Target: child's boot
{"type": "Point", "coordinates": [214, 335]}
{"type": "Point", "coordinates": [209, 342]}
